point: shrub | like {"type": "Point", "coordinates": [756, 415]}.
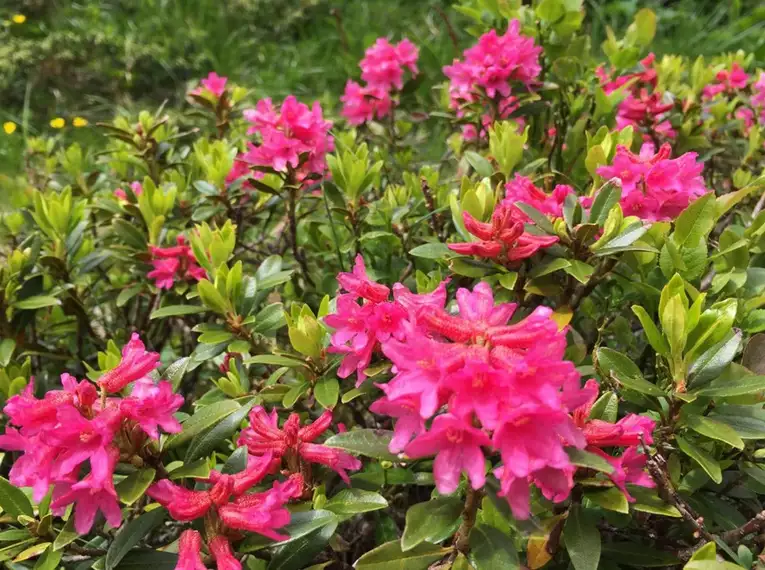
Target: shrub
{"type": "Point", "coordinates": [246, 332]}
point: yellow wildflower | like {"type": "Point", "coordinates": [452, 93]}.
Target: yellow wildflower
{"type": "Point", "coordinates": [19, 18]}
{"type": "Point", "coordinates": [58, 123]}
{"type": "Point", "coordinates": [80, 122]}
{"type": "Point", "coordinates": [9, 128]}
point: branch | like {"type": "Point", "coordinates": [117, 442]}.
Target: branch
{"type": "Point", "coordinates": [753, 526]}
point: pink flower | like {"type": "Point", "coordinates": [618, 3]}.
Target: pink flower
{"type": "Point", "coordinates": [457, 446]}
{"type": "Point", "coordinates": [655, 187]}
{"type": "Point", "coordinates": [263, 512]}
{"type": "Point", "coordinates": [506, 390]}
{"type": "Point", "coordinates": [358, 283]}
{"type": "Point", "coordinates": [522, 189]}
{"type": "Point", "coordinates": [92, 494]}
{"type": "Point", "coordinates": [286, 135]}
{"type": "Point", "coordinates": [189, 551]}
{"type": "Point", "coordinates": [292, 441]}
{"type": "Point", "coordinates": [153, 405]}
{"type": "Point", "coordinates": [647, 111]}
{"type": "Point", "coordinates": [136, 364]}
{"type": "Point", "coordinates": [134, 186]}
{"type": "Point", "coordinates": [174, 263]}
{"type": "Point", "coordinates": [488, 68]}
{"type": "Point", "coordinates": [727, 81]}
{"type": "Point", "coordinates": [628, 468]}
{"type": "Point", "coordinates": [383, 63]}
{"type": "Point", "coordinates": [504, 238]}
{"type": "Point", "coordinates": [362, 104]}
{"type": "Point", "coordinates": [220, 548]}
{"type": "Point", "coordinates": [213, 83]}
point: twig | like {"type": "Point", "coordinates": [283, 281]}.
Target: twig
{"type": "Point", "coordinates": [449, 27]}
{"type": "Point", "coordinates": [472, 500]}
{"type": "Point", "coordinates": [753, 526]}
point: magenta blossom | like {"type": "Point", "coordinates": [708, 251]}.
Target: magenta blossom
{"type": "Point", "coordinates": [136, 364]}
{"type": "Point", "coordinates": [121, 195]}
{"type": "Point", "coordinates": [189, 551]}
{"type": "Point", "coordinates": [457, 446]}
{"type": "Point", "coordinates": [152, 406]}
{"type": "Point", "coordinates": [505, 238]}
{"type": "Point", "coordinates": [213, 84]}
{"type": "Point", "coordinates": [293, 443]}
{"type": "Point", "coordinates": [383, 64]}
{"type": "Point", "coordinates": [363, 104]}
{"type": "Point", "coordinates": [654, 186]}
{"type": "Point", "coordinates": [522, 189]}
{"type": "Point", "coordinates": [286, 135]}
{"type": "Point", "coordinates": [173, 264]}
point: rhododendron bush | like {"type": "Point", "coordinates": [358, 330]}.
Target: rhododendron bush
{"type": "Point", "coordinates": [274, 334]}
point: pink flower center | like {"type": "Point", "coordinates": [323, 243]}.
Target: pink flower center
{"type": "Point", "coordinates": [454, 436]}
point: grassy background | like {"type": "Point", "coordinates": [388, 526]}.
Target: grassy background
{"type": "Point", "coordinates": [91, 58]}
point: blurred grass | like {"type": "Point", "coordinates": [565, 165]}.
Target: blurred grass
{"type": "Point", "coordinates": [91, 57]}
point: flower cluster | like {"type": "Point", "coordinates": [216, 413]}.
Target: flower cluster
{"type": "Point", "coordinates": [504, 239]}
{"type": "Point", "coordinates": [643, 107]}
{"type": "Point", "coordinates": [213, 84]}
{"type": "Point", "coordinates": [121, 195]}
{"type": "Point", "coordinates": [360, 328]}
{"type": "Point", "coordinates": [383, 70]}
{"type": "Point", "coordinates": [522, 189]}
{"type": "Point", "coordinates": [654, 186]}
{"type": "Point", "coordinates": [631, 431]}
{"type": "Point", "coordinates": [293, 139]}
{"type": "Point", "coordinates": [72, 428]}
{"type": "Point", "coordinates": [487, 71]}
{"type": "Point", "coordinates": [489, 388]}
{"type": "Point", "coordinates": [174, 263]}
{"type": "Point", "coordinates": [228, 509]}
{"type": "Point", "coordinates": [727, 81]}
{"type": "Point", "coordinates": [293, 443]}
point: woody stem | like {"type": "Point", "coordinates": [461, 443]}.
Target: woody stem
{"type": "Point", "coordinates": [472, 500]}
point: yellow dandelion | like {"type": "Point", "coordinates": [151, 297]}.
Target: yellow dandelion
{"type": "Point", "coordinates": [19, 18]}
{"type": "Point", "coordinates": [9, 128]}
{"type": "Point", "coordinates": [80, 122]}
{"type": "Point", "coordinates": [58, 123]}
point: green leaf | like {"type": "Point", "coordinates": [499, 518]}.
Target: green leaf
{"type": "Point", "coordinates": [354, 501]}
{"type": "Point", "coordinates": [582, 458]}
{"type": "Point", "coordinates": [197, 470]}
{"type": "Point", "coordinates": [367, 442]}
{"type": "Point", "coordinates": [643, 29]}
{"type": "Point", "coordinates": [547, 268]}
{"type": "Point", "coordinates": [711, 565]}
{"type": "Point", "coordinates": [430, 521]}
{"type": "Point", "coordinates": [132, 487]}
{"type": "Point", "coordinates": [655, 338]}
{"type": "Point", "coordinates": [491, 549]}
{"type": "Point", "coordinates": [626, 372]}
{"type": "Point", "coordinates": [66, 536]}
{"type": "Point", "coordinates": [607, 197]}
{"type": "Point", "coordinates": [582, 540]}
{"type": "Point", "coordinates": [713, 361]}
{"type": "Point", "coordinates": [204, 443]}
{"type": "Point", "coordinates": [327, 390]}
{"type": "Point", "coordinates": [49, 560]}
{"type": "Point", "coordinates": [436, 250]}
{"type": "Point", "coordinates": [177, 310]}
{"type": "Point", "coordinates": [7, 346]}
{"type": "Point", "coordinates": [131, 534]}
{"type": "Point", "coordinates": [13, 500]}
{"type": "Point", "coordinates": [695, 222]}
{"type": "Point", "coordinates": [579, 270]}
{"type": "Point", "coordinates": [127, 294]}
{"type": "Point", "coordinates": [201, 420]}
{"type": "Point", "coordinates": [637, 555]}
{"type": "Point", "coordinates": [301, 524]}
{"type": "Point", "coordinates": [706, 552]}
{"type": "Point", "coordinates": [141, 559]}
{"type": "Point", "coordinates": [302, 550]}
{"type": "Point", "coordinates": [270, 318]}
{"type": "Point", "coordinates": [275, 360]}
{"type": "Point", "coordinates": [540, 220]}
{"type": "Point", "coordinates": [730, 388]}
{"type": "Point", "coordinates": [673, 323]}
{"type": "Point", "coordinates": [611, 499]}
{"type": "Point", "coordinates": [482, 166]}
{"type": "Point", "coordinates": [705, 461]}
{"type": "Point", "coordinates": [36, 302]}
{"type": "Point", "coordinates": [714, 430]}
{"type": "Point", "coordinates": [648, 501]}
{"type": "Point", "coordinates": [389, 556]}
